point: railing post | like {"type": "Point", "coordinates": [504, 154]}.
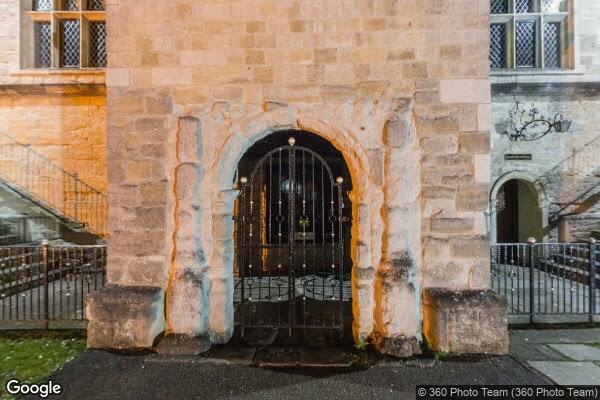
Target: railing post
{"type": "Point", "coordinates": [592, 296]}
{"type": "Point", "coordinates": [27, 169]}
{"type": "Point", "coordinates": [74, 198]}
{"type": "Point", "coordinates": [45, 272]}
{"type": "Point", "coordinates": [531, 246]}
{"type": "Point", "coordinates": [23, 230]}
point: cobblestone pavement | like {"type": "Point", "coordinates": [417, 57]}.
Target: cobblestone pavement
{"type": "Point", "coordinates": [566, 356]}
{"type": "Point", "coordinates": [103, 375]}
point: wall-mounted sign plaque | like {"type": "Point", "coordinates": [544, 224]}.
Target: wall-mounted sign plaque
{"type": "Point", "coordinates": [521, 157]}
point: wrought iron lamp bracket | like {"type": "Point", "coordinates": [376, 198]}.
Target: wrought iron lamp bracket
{"type": "Point", "coordinates": [535, 127]}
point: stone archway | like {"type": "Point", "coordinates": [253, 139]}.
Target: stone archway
{"type": "Point", "coordinates": [533, 197]}
{"type": "Point", "coordinates": [223, 221]}
{"type": "Point", "coordinates": [381, 149]}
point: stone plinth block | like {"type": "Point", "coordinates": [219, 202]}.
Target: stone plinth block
{"type": "Point", "coordinates": [398, 346]}
{"type": "Point", "coordinates": [125, 317]}
{"type": "Point", "coordinates": [465, 321]}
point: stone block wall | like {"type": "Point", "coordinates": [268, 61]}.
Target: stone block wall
{"type": "Point", "coordinates": [68, 127]}
{"type": "Point", "coordinates": [400, 87]}
{"type": "Point", "coordinates": [61, 114]}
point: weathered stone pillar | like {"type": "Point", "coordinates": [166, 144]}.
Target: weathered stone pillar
{"type": "Point", "coordinates": [221, 274]}
{"type": "Point", "coordinates": [187, 293]}
{"type": "Point", "coordinates": [398, 278]}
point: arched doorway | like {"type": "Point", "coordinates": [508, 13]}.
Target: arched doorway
{"type": "Point", "coordinates": [292, 269]}
{"type": "Point", "coordinates": [518, 214]}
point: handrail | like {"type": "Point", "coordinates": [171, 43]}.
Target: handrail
{"type": "Point", "coordinates": [40, 179]}
{"type": "Point", "coordinates": [577, 200]}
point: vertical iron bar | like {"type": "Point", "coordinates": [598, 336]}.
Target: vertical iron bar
{"type": "Point", "coordinates": [45, 272]}
{"type": "Point", "coordinates": [291, 233]}
{"type": "Point", "coordinates": [592, 272]}
{"type": "Point", "coordinates": [531, 242]}
{"type": "Point", "coordinates": [241, 266]}
{"type": "Point", "coordinates": [341, 255]}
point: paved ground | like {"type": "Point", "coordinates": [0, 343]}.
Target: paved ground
{"type": "Point", "coordinates": [563, 355]}
{"type": "Point", "coordinates": [102, 375]}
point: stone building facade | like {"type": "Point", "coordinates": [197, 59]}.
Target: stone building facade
{"type": "Point", "coordinates": [400, 88]}
{"type": "Point", "coordinates": [61, 113]}
{"type": "Point", "coordinates": [560, 183]}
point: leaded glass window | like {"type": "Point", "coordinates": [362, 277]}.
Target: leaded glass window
{"type": "Point", "coordinates": [98, 44]}
{"type": "Point", "coordinates": [96, 5]}
{"type": "Point", "coordinates": [42, 5]}
{"type": "Point", "coordinates": [498, 45]}
{"type": "Point", "coordinates": [552, 45]}
{"type": "Point", "coordinates": [69, 43]}
{"type": "Point", "coordinates": [43, 45]}
{"type": "Point", "coordinates": [70, 5]}
{"type": "Point", "coordinates": [525, 44]}
{"type": "Point", "coordinates": [499, 6]}
{"type": "Point", "coordinates": [524, 6]}
{"type": "Point", "coordinates": [529, 34]}
{"type": "Point", "coordinates": [64, 34]}
{"type": "Point", "coordinates": [555, 5]}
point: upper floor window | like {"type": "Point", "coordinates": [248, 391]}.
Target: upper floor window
{"type": "Point", "coordinates": [529, 34]}
{"type": "Point", "coordinates": [64, 34]}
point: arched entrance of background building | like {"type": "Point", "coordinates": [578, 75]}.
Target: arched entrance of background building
{"type": "Point", "coordinates": [293, 267]}
{"type": "Point", "coordinates": [518, 215]}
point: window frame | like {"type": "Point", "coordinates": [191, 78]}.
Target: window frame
{"type": "Point", "coordinates": [27, 45]}
{"type": "Point", "coordinates": [567, 28]}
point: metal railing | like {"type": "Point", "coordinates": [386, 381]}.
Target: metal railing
{"type": "Point", "coordinates": [61, 193]}
{"type": "Point", "coordinates": [548, 279]}
{"type": "Point", "coordinates": [45, 286]}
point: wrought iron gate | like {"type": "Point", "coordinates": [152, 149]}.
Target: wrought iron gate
{"type": "Point", "coordinates": [290, 243]}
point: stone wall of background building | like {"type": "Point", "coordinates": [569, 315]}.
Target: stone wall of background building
{"type": "Point", "coordinates": [219, 75]}
{"type": "Point", "coordinates": [567, 165]}
{"type": "Point", "coordinates": [60, 113]}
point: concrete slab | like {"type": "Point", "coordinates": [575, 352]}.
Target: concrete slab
{"type": "Point", "coordinates": [587, 335]}
{"type": "Point", "coordinates": [569, 372]}
{"type": "Point", "coordinates": [535, 352]}
{"type": "Point", "coordinates": [578, 352]}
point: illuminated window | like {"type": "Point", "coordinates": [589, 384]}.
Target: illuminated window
{"type": "Point", "coordinates": [65, 34]}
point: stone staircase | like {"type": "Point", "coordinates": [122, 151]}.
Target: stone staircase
{"type": "Point", "coordinates": [578, 218]}
{"type": "Point", "coordinates": [34, 190]}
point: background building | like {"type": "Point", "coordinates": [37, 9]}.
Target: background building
{"type": "Point", "coordinates": [545, 55]}
{"type": "Point", "coordinates": [53, 100]}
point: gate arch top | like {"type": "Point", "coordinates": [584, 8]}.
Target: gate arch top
{"type": "Point", "coordinates": [290, 147]}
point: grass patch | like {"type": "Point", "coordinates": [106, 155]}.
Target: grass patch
{"type": "Point", "coordinates": [33, 359]}
{"type": "Point", "coordinates": [596, 345]}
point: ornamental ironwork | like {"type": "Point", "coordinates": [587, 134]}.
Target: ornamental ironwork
{"type": "Point", "coordinates": [527, 125]}
{"type": "Point", "coordinates": [290, 229]}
